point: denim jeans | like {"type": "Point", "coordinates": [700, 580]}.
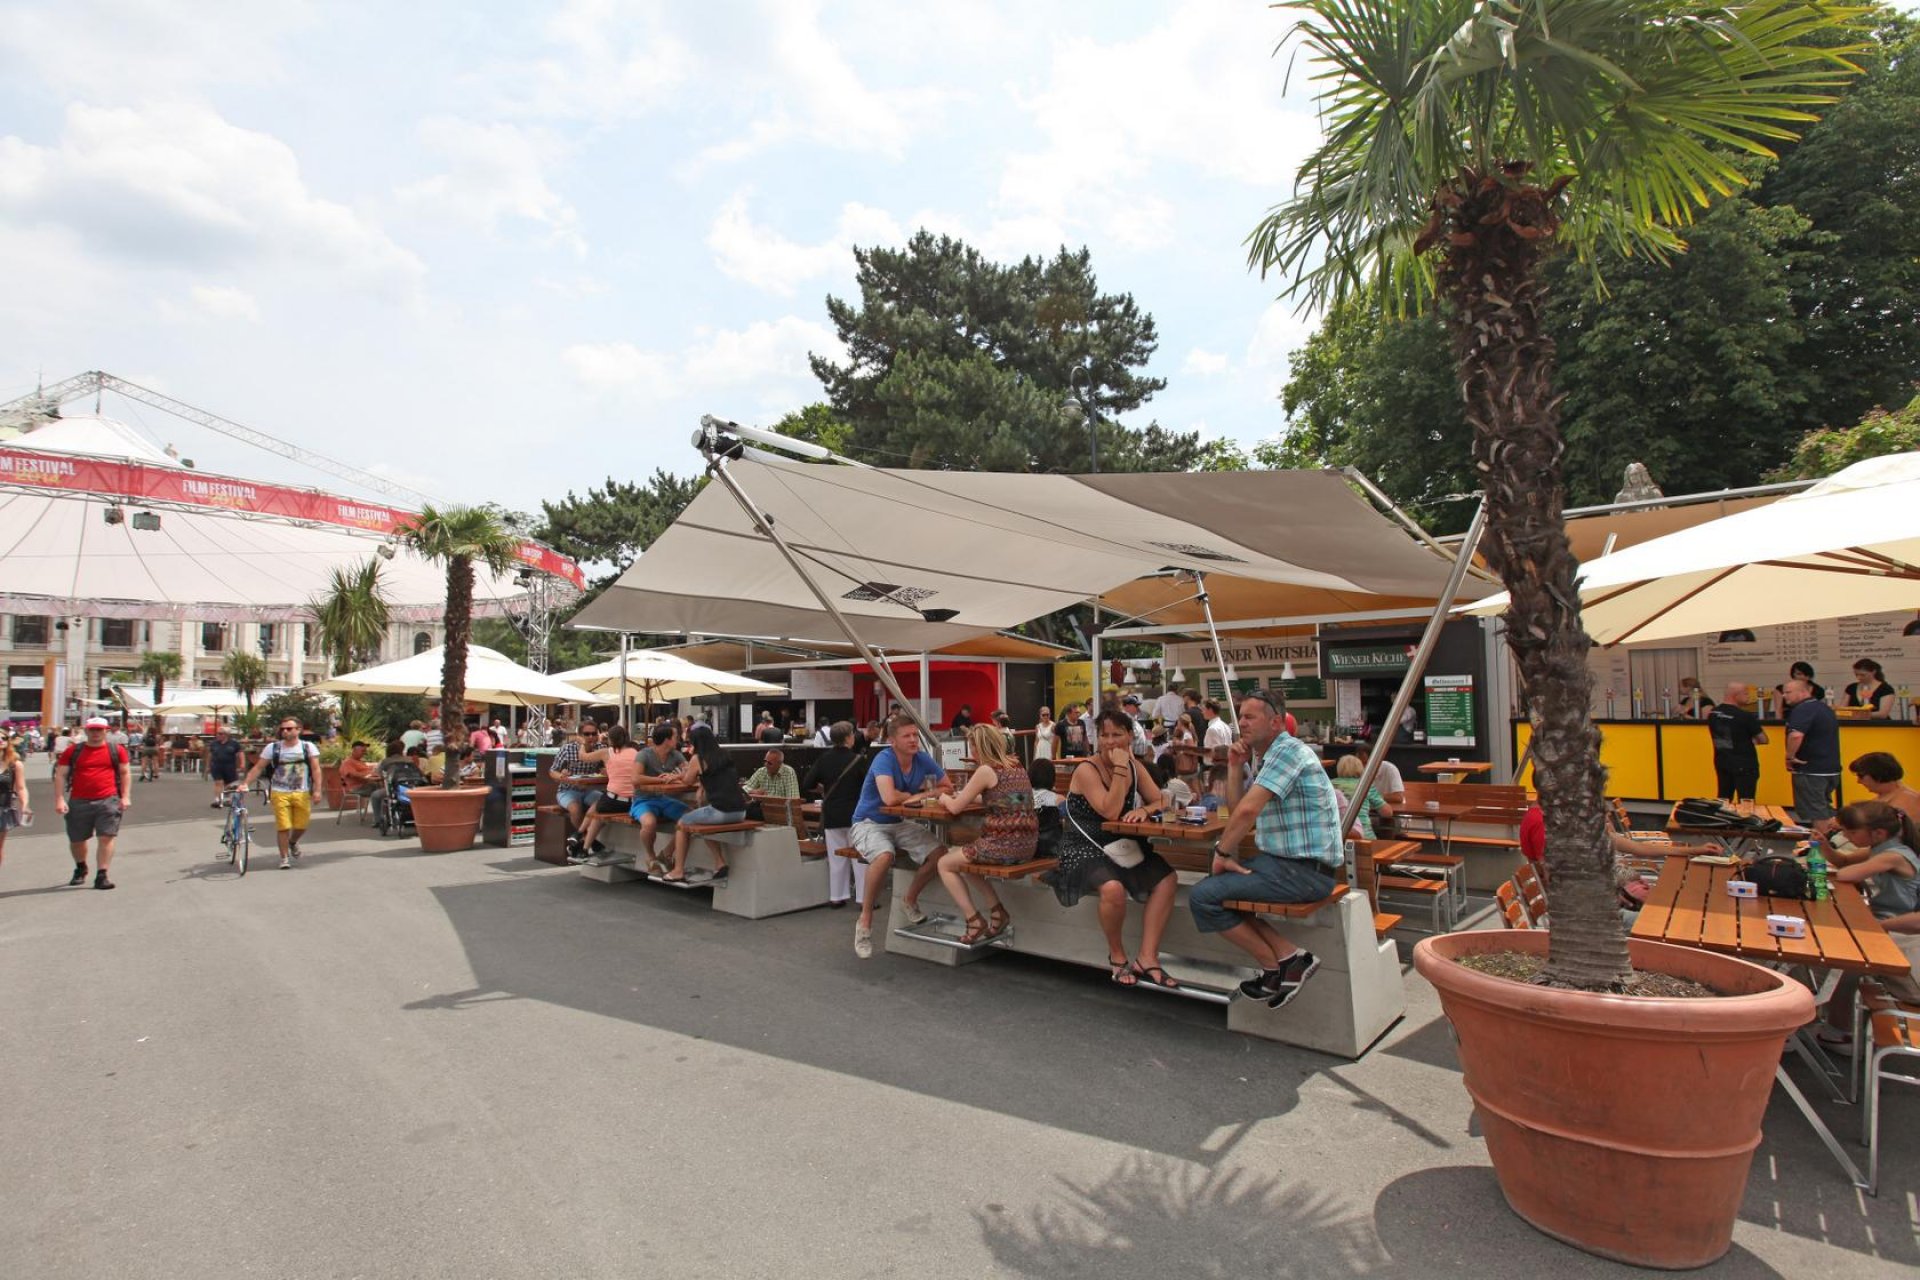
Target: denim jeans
{"type": "Point", "coordinates": [1268, 879]}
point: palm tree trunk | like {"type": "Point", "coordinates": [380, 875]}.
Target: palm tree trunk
{"type": "Point", "coordinates": [453, 673]}
{"type": "Point", "coordinates": [1491, 276]}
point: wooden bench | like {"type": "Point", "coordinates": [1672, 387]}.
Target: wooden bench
{"type": "Point", "coordinates": [792, 813]}
{"type": "Point", "coordinates": [766, 873]}
{"type": "Point", "coordinates": [1483, 838]}
{"type": "Point", "coordinates": [1294, 910]}
{"type": "Point", "coordinates": [1009, 870]}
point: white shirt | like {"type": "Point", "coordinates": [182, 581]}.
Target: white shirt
{"type": "Point", "coordinates": [1168, 707]}
{"type": "Point", "coordinates": [1043, 741]}
{"type": "Point", "coordinates": [1388, 780]}
{"type": "Point", "coordinates": [1219, 733]}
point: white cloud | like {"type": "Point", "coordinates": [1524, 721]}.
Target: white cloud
{"type": "Point", "coordinates": [761, 256]}
{"type": "Point", "coordinates": [764, 355]}
{"type": "Point", "coordinates": [137, 50]}
{"type": "Point", "coordinates": [608, 60]}
{"type": "Point", "coordinates": [1282, 328]}
{"type": "Point", "coordinates": [224, 302]}
{"type": "Point", "coordinates": [1204, 363]}
{"type": "Point", "coordinates": [497, 172]}
{"type": "Point", "coordinates": [1120, 119]}
{"type": "Point", "coordinates": [175, 184]}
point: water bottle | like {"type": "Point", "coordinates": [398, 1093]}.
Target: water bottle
{"type": "Point", "coordinates": [1817, 874]}
{"type": "Point", "coordinates": [1638, 699]}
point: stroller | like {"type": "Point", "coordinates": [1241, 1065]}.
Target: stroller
{"type": "Point", "coordinates": [392, 815]}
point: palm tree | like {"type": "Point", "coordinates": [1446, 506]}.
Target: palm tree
{"type": "Point", "coordinates": [244, 673]}
{"type": "Point", "coordinates": [1468, 140]}
{"type": "Point", "coordinates": [159, 666]}
{"type": "Point", "coordinates": [352, 615]}
{"type": "Point", "coordinates": [457, 537]}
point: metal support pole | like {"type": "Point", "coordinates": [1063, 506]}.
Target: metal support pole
{"type": "Point", "coordinates": [624, 723]}
{"type": "Point", "coordinates": [1416, 668]}
{"type": "Point", "coordinates": [717, 468]}
{"type": "Point", "coordinates": [926, 690]}
{"type": "Point", "coordinates": [1219, 653]}
{"type": "Point", "coordinates": [1096, 701]}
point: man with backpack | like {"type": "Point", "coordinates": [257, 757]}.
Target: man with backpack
{"type": "Point", "coordinates": [93, 787]}
{"type": "Point", "coordinates": [293, 786]}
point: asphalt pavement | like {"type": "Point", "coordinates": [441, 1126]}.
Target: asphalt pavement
{"type": "Point", "coordinates": [387, 1063]}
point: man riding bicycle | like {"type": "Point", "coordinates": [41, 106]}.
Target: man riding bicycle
{"type": "Point", "coordinates": [292, 787]}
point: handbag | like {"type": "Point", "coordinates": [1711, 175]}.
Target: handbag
{"type": "Point", "coordinates": [1127, 852]}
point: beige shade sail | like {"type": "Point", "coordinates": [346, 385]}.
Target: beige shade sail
{"type": "Point", "coordinates": [922, 560]}
{"type": "Point", "coordinates": [491, 677]}
{"type": "Point", "coordinates": [1848, 545]}
{"type": "Point", "coordinates": [653, 676]}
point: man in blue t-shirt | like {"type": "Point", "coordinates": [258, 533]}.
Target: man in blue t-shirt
{"type": "Point", "coordinates": [896, 775]}
{"type": "Point", "coordinates": [1813, 755]}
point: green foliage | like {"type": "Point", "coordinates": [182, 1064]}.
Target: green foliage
{"type": "Point", "coordinates": [615, 522]}
{"type": "Point", "coordinates": [816, 424]}
{"type": "Point", "coordinates": [352, 615]}
{"type": "Point", "coordinates": [565, 649]}
{"type": "Point", "coordinates": [157, 666]}
{"type": "Point", "coordinates": [309, 708]}
{"type": "Point", "coordinates": [955, 361]}
{"type": "Point", "coordinates": [244, 673]}
{"type": "Point", "coordinates": [1821, 453]}
{"type": "Point", "coordinates": [382, 717]}
{"type": "Point", "coordinates": [460, 537]}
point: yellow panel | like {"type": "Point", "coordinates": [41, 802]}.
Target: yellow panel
{"type": "Point", "coordinates": [1901, 741]}
{"type": "Point", "coordinates": [1630, 754]}
{"type": "Point", "coordinates": [1522, 735]}
{"type": "Point", "coordinates": [1686, 762]}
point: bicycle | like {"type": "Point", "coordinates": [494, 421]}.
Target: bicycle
{"type": "Point", "coordinates": [236, 837]}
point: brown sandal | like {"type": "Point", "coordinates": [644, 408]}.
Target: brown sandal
{"type": "Point", "coordinates": [976, 931]}
{"type": "Point", "coordinates": [998, 922]}
{"type": "Point", "coordinates": [1154, 974]}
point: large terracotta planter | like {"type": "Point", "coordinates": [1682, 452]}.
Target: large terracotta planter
{"type": "Point", "coordinates": [330, 784]}
{"type": "Point", "coordinates": [446, 820]}
{"type": "Point", "coordinates": [1622, 1125]}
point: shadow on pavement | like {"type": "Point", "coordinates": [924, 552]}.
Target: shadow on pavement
{"type": "Point", "coordinates": [1028, 1038]}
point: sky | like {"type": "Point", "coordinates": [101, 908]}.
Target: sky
{"type": "Point", "coordinates": [500, 251]}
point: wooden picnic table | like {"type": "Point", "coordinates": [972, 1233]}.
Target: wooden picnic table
{"type": "Point", "coordinates": [1441, 813]}
{"type": "Point", "coordinates": [1187, 846]}
{"type": "Point", "coordinates": [1789, 829]}
{"type": "Point", "coordinates": [1454, 770]}
{"type": "Point", "coordinates": [934, 811]}
{"type": "Point", "coordinates": [1689, 906]}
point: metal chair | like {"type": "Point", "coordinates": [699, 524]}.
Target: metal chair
{"type": "Point", "coordinates": [1896, 1034]}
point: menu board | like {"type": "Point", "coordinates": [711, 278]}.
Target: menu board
{"type": "Point", "coordinates": [1450, 711]}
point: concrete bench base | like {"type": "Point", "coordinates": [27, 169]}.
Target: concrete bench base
{"type": "Point", "coordinates": [1349, 1004]}
{"type": "Point", "coordinates": [766, 875]}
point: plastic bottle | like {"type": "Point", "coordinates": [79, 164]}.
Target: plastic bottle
{"type": "Point", "coordinates": [1817, 874]}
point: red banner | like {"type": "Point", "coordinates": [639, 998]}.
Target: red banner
{"type": "Point", "coordinates": [134, 482]}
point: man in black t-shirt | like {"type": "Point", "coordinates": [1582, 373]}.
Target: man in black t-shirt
{"type": "Point", "coordinates": [1735, 731]}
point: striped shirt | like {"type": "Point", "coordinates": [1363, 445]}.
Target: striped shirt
{"type": "Point", "coordinates": [1302, 820]}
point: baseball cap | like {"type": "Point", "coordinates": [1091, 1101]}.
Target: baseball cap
{"type": "Point", "coordinates": [96, 722]}
{"type": "Point", "coordinates": [1134, 698]}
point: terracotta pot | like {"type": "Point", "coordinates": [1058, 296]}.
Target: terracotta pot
{"type": "Point", "coordinates": [1622, 1125]}
{"type": "Point", "coordinates": [330, 785]}
{"type": "Point", "coordinates": [447, 820]}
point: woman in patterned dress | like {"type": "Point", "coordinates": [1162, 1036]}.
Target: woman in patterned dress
{"type": "Point", "coordinates": [1008, 833]}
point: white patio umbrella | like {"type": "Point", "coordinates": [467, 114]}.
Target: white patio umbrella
{"type": "Point", "coordinates": [652, 676]}
{"type": "Point", "coordinates": [491, 677]}
{"type": "Point", "coordinates": [1848, 545]}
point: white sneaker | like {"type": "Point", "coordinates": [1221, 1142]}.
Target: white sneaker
{"type": "Point", "coordinates": [286, 864]}
{"type": "Point", "coordinates": [912, 911]}
{"type": "Point", "coordinates": [863, 941]}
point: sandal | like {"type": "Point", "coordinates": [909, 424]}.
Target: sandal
{"type": "Point", "coordinates": [976, 931]}
{"type": "Point", "coordinates": [1122, 972]}
{"type": "Point", "coordinates": [998, 922]}
{"type": "Point", "coordinates": [1163, 980]}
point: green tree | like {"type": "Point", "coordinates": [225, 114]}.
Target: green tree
{"type": "Point", "coordinates": [1466, 140]}
{"type": "Point", "coordinates": [388, 715]}
{"type": "Point", "coordinates": [817, 424]}
{"type": "Point", "coordinates": [615, 522]}
{"type": "Point", "coordinates": [244, 673]}
{"type": "Point", "coordinates": [459, 537]}
{"type": "Point", "coordinates": [1821, 453]}
{"type": "Point", "coordinates": [565, 649]}
{"type": "Point", "coordinates": [312, 710]}
{"type": "Point", "coordinates": [352, 616]}
{"type": "Point", "coordinates": [955, 361]}
{"type": "Point", "coordinates": [159, 666]}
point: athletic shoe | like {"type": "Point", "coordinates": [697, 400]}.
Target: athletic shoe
{"type": "Point", "coordinates": [863, 942]}
{"type": "Point", "coordinates": [79, 874]}
{"type": "Point", "coordinates": [599, 847]}
{"type": "Point", "coordinates": [1262, 987]}
{"type": "Point", "coordinates": [293, 847]}
{"type": "Point", "coordinates": [100, 880]}
{"type": "Point", "coordinates": [610, 859]}
{"type": "Point", "coordinates": [1293, 975]}
{"type": "Point", "coordinates": [286, 864]}
{"type": "Point", "coordinates": [912, 912]}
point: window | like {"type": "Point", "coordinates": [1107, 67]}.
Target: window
{"type": "Point", "coordinates": [213, 637]}
{"type": "Point", "coordinates": [23, 689]}
{"type": "Point", "coordinates": [30, 632]}
{"type": "Point", "coordinates": [269, 638]}
{"type": "Point", "coordinates": [116, 633]}
{"type": "Point", "coordinates": [422, 641]}
{"type": "Point", "coordinates": [309, 639]}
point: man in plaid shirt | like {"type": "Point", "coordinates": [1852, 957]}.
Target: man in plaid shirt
{"type": "Point", "coordinates": [1293, 813]}
{"type": "Point", "coordinates": [576, 798]}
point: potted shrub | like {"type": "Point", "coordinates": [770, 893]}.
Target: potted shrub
{"type": "Point", "coordinates": [448, 817]}
{"type": "Point", "coordinates": [1466, 143]}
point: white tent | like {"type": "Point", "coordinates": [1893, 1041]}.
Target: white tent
{"type": "Point", "coordinates": [652, 676]}
{"type": "Point", "coordinates": [188, 700]}
{"type": "Point", "coordinates": [922, 559]}
{"type": "Point", "coordinates": [96, 521]}
{"type": "Point", "coordinates": [491, 677]}
{"type": "Point", "coordinates": [1848, 545]}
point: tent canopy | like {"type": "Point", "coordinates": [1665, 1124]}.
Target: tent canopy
{"type": "Point", "coordinates": [491, 677]}
{"type": "Point", "coordinates": [653, 676]}
{"type": "Point", "coordinates": [1848, 545]}
{"type": "Point", "coordinates": [922, 560]}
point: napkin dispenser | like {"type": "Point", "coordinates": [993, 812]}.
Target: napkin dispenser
{"type": "Point", "coordinates": [1742, 889]}
{"type": "Point", "coordinates": [1787, 926]}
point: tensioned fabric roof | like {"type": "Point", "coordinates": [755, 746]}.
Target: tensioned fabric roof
{"type": "Point", "coordinates": [994, 549]}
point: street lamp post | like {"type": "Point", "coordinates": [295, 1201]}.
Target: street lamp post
{"type": "Point", "coordinates": [1080, 382]}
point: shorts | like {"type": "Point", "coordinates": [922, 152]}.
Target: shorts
{"type": "Point", "coordinates": [224, 773]}
{"type": "Point", "coordinates": [613, 804]}
{"type": "Point", "coordinates": [663, 808]}
{"type": "Point", "coordinates": [292, 810]}
{"type": "Point", "coordinates": [587, 797]}
{"type": "Point", "coordinates": [707, 815]}
{"type": "Point", "coordinates": [915, 839]}
{"type": "Point", "coordinates": [1813, 797]}
{"type": "Point", "coordinates": [89, 818]}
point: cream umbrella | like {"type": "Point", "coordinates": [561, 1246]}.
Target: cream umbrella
{"type": "Point", "coordinates": [1848, 545]}
{"type": "Point", "coordinates": [652, 676]}
{"type": "Point", "coordinates": [491, 677]}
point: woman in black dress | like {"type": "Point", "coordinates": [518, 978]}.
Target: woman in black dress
{"type": "Point", "coordinates": [1115, 786]}
{"type": "Point", "coordinates": [1870, 691]}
